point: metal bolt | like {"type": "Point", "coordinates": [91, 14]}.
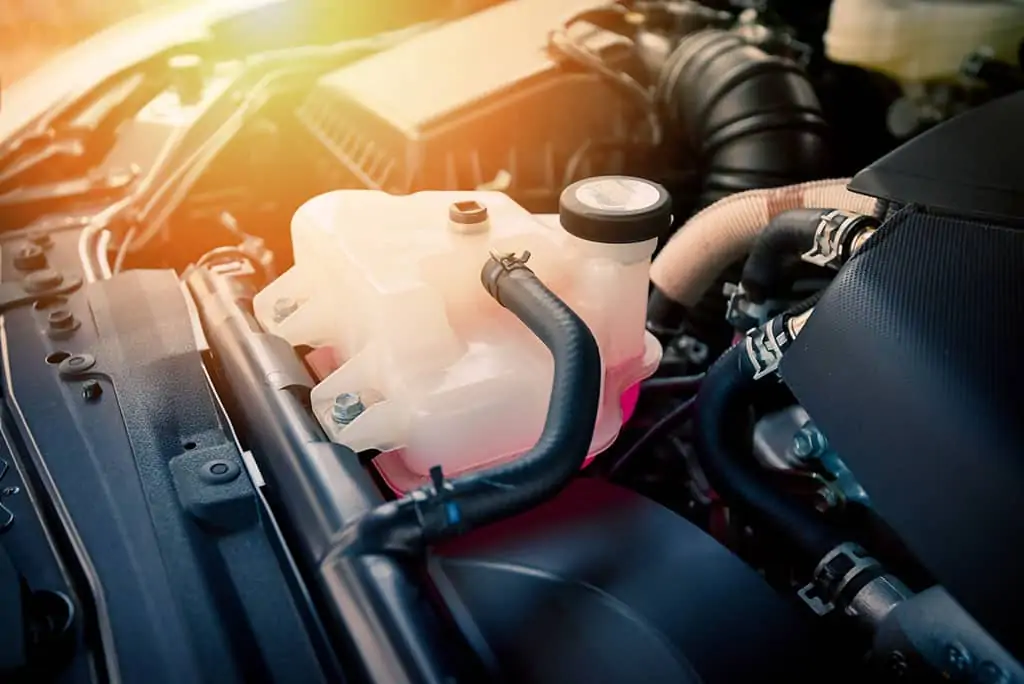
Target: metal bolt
{"type": "Point", "coordinates": [30, 258]}
{"type": "Point", "coordinates": [809, 443]}
{"type": "Point", "coordinates": [284, 307]}
{"type": "Point", "coordinates": [958, 659]}
{"type": "Point", "coordinates": [825, 499]}
{"type": "Point", "coordinates": [91, 390]}
{"type": "Point", "coordinates": [61, 319]}
{"type": "Point", "coordinates": [347, 407]}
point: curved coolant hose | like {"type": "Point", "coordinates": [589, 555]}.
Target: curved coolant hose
{"type": "Point", "coordinates": [776, 249]}
{"type": "Point", "coordinates": [724, 233]}
{"type": "Point", "coordinates": [572, 412]}
{"type": "Point", "coordinates": [722, 431]}
{"type": "Point", "coordinates": [447, 508]}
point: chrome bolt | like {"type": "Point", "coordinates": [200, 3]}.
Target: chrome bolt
{"type": "Point", "coordinates": [284, 307]}
{"type": "Point", "coordinates": [347, 407]}
{"type": "Point", "coordinates": [809, 443]}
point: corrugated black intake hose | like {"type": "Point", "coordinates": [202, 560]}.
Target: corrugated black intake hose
{"type": "Point", "coordinates": [450, 507]}
{"type": "Point", "coordinates": [776, 252]}
{"type": "Point", "coordinates": [753, 121]}
{"type": "Point", "coordinates": [723, 437]}
{"type": "Point", "coordinates": [753, 118]}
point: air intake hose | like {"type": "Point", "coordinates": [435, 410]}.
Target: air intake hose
{"type": "Point", "coordinates": [752, 118]}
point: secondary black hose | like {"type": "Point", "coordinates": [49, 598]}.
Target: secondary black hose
{"type": "Point", "coordinates": [723, 437]}
{"type": "Point", "coordinates": [449, 507]}
{"type": "Point", "coordinates": [776, 252]}
{"type": "Point", "coordinates": [753, 118]}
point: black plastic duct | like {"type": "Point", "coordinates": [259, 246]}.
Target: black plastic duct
{"type": "Point", "coordinates": [752, 118]}
{"type": "Point", "coordinates": [753, 121]}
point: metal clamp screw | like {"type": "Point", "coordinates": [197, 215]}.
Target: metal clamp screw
{"type": "Point", "coordinates": [809, 443]}
{"type": "Point", "coordinates": [284, 307]}
{"type": "Point", "coordinates": [91, 390]}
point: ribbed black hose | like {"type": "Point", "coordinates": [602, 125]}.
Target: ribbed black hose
{"type": "Point", "coordinates": [753, 118]}
{"type": "Point", "coordinates": [753, 121]}
{"type": "Point", "coordinates": [448, 508]}
{"type": "Point", "coordinates": [723, 438]}
{"type": "Point", "coordinates": [767, 271]}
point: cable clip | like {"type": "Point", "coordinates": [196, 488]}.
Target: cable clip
{"type": "Point", "coordinates": [509, 261]}
{"type": "Point", "coordinates": [765, 346]}
{"type": "Point", "coordinates": [833, 575]}
{"type": "Point", "coordinates": [830, 238]}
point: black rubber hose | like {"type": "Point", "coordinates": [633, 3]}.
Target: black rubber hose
{"type": "Point", "coordinates": [723, 439]}
{"type": "Point", "coordinates": [776, 252]}
{"type": "Point", "coordinates": [753, 121]}
{"type": "Point", "coordinates": [450, 507]}
{"type": "Point", "coordinates": [572, 413]}
{"type": "Point", "coordinates": [753, 118]}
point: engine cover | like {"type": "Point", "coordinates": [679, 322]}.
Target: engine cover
{"type": "Point", "coordinates": [478, 102]}
{"type": "Point", "coordinates": [602, 585]}
{"type": "Point", "coordinates": [911, 364]}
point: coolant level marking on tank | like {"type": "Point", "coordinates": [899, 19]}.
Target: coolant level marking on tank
{"type": "Point", "coordinates": [618, 194]}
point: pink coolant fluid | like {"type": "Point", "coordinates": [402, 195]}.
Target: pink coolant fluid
{"type": "Point", "coordinates": [400, 479]}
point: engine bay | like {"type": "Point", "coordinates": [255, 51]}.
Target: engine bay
{"type": "Point", "coordinates": [527, 341]}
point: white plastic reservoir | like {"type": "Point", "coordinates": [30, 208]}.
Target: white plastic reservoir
{"type": "Point", "coordinates": [921, 40]}
{"type": "Point", "coordinates": [428, 368]}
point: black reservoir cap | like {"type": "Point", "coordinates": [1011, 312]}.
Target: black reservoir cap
{"type": "Point", "coordinates": [615, 209]}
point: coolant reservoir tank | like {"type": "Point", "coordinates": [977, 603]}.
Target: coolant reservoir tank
{"type": "Point", "coordinates": [427, 368]}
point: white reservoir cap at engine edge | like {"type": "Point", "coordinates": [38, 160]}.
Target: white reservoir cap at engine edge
{"type": "Point", "coordinates": [389, 286]}
{"type": "Point", "coordinates": [615, 210]}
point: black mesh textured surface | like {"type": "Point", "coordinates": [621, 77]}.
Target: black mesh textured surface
{"type": "Point", "coordinates": [913, 364]}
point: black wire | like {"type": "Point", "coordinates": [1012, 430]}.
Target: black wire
{"type": "Point", "coordinates": [669, 422]}
{"type": "Point", "coordinates": [673, 384]}
{"type": "Point", "coordinates": [562, 43]}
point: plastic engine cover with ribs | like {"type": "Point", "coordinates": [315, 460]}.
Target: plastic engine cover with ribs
{"type": "Point", "coordinates": [391, 286]}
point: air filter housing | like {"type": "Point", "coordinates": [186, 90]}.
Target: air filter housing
{"type": "Point", "coordinates": [480, 103]}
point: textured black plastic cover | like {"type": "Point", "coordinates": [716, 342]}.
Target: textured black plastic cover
{"type": "Point", "coordinates": [973, 165]}
{"type": "Point", "coordinates": [913, 365]}
{"type": "Point", "coordinates": [602, 585]}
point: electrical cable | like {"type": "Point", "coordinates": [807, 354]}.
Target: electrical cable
{"type": "Point", "coordinates": [671, 421]}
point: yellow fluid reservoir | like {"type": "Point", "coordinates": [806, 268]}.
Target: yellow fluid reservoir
{"type": "Point", "coordinates": [430, 370]}
{"type": "Point", "coordinates": [921, 40]}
